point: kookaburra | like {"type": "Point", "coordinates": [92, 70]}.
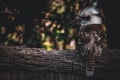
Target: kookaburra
{"type": "Point", "coordinates": [91, 36]}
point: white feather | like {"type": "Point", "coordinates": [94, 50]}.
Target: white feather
{"type": "Point", "coordinates": [94, 19]}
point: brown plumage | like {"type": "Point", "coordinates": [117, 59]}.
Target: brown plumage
{"type": "Point", "coordinates": [91, 42]}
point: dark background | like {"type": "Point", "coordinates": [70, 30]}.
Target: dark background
{"type": "Point", "coordinates": [112, 14]}
{"type": "Point", "coordinates": [110, 8]}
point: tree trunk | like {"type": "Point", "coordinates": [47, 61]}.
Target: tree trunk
{"type": "Point", "coordinates": [18, 63]}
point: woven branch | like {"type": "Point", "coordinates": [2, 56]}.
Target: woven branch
{"type": "Point", "coordinates": [39, 59]}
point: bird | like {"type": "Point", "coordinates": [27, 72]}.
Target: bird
{"type": "Point", "coordinates": [91, 40]}
{"type": "Point", "coordinates": [91, 37]}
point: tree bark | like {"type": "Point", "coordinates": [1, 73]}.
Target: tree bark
{"type": "Point", "coordinates": [39, 59]}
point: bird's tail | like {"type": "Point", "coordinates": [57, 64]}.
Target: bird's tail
{"type": "Point", "coordinates": [90, 66]}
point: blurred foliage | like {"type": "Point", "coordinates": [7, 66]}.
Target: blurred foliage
{"type": "Point", "coordinates": [51, 29]}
